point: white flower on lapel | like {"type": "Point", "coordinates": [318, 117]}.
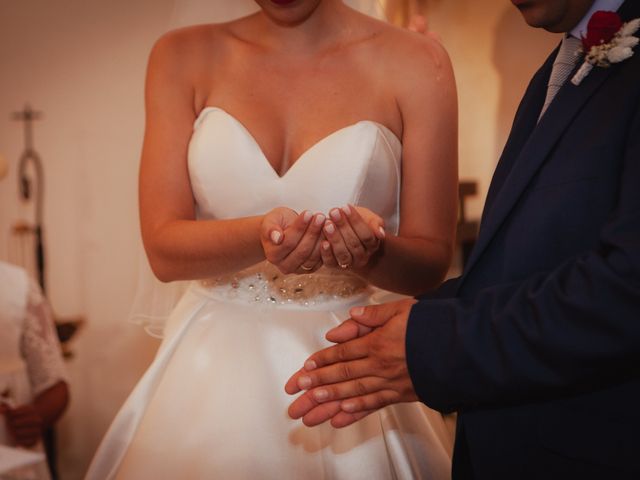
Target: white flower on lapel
{"type": "Point", "coordinates": [608, 41]}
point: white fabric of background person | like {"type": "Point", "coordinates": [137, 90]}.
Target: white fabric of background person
{"type": "Point", "coordinates": [30, 357]}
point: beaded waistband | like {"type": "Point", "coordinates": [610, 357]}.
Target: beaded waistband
{"type": "Point", "coordinates": [265, 284]}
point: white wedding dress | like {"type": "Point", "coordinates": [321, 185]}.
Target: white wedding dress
{"type": "Point", "coordinates": [212, 404]}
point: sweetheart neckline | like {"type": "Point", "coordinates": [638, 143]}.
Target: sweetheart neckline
{"type": "Point", "coordinates": [315, 145]}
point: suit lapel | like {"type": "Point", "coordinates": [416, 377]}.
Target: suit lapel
{"type": "Point", "coordinates": [629, 10]}
{"type": "Point", "coordinates": [526, 118]}
{"type": "Point", "coordinates": [567, 104]}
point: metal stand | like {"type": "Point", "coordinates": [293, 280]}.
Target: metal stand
{"type": "Point", "coordinates": [27, 190]}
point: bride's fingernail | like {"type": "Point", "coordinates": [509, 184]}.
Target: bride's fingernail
{"type": "Point", "coordinates": [307, 216]}
{"type": "Point", "coordinates": [330, 228]}
{"type": "Point", "coordinates": [304, 382]}
{"type": "Point", "coordinates": [320, 220]}
{"type": "Point", "coordinates": [326, 245]}
{"type": "Point", "coordinates": [346, 209]}
{"type": "Point", "coordinates": [357, 311]}
{"type": "Point", "coordinates": [348, 406]}
{"type": "Point", "coordinates": [320, 395]}
{"type": "Point", "coordinates": [382, 232]}
{"type": "Point", "coordinates": [335, 214]}
{"type": "Point", "coordinates": [276, 236]}
{"type": "Point", "coordinates": [310, 365]}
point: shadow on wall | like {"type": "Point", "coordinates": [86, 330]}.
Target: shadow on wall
{"type": "Point", "coordinates": [517, 47]}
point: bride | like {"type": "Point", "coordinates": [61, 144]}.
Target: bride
{"type": "Point", "coordinates": [296, 162]}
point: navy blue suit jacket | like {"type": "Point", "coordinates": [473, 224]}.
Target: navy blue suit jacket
{"type": "Point", "coordinates": [537, 344]}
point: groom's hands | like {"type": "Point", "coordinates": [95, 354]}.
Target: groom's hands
{"type": "Point", "coordinates": [365, 371]}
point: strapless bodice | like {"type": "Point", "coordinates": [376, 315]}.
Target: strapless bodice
{"type": "Point", "coordinates": [231, 177]}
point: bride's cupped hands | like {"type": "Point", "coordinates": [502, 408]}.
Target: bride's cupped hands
{"type": "Point", "coordinates": [346, 237]}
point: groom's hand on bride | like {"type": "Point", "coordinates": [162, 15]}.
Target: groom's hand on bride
{"type": "Point", "coordinates": [291, 241]}
{"type": "Point", "coordinates": [366, 369]}
{"type": "Point", "coordinates": [353, 235]}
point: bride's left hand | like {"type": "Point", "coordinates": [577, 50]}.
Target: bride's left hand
{"type": "Point", "coordinates": [353, 235]}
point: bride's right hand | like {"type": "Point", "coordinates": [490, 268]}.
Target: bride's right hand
{"type": "Point", "coordinates": [291, 241]}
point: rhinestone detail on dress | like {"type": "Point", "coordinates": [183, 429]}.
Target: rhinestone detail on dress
{"type": "Point", "coordinates": [265, 284]}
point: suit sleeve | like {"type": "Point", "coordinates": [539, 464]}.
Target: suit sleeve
{"type": "Point", "coordinates": [556, 333]}
{"type": "Point", "coordinates": [446, 290]}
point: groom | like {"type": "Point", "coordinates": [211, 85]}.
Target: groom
{"type": "Point", "coordinates": [537, 344]}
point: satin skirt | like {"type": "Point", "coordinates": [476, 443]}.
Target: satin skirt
{"type": "Point", "coordinates": [212, 405]}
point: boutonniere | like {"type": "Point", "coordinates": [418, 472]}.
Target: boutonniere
{"type": "Point", "coordinates": [608, 41]}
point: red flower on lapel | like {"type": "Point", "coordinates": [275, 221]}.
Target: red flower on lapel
{"type": "Point", "coordinates": [601, 29]}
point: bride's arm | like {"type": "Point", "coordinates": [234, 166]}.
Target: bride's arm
{"type": "Point", "coordinates": [178, 246]}
{"type": "Point", "coordinates": [417, 259]}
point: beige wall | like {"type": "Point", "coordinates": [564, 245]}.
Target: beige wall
{"type": "Point", "coordinates": [82, 63]}
{"type": "Point", "coordinates": [494, 54]}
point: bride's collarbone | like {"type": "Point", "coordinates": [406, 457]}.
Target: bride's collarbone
{"type": "Point", "coordinates": [297, 118]}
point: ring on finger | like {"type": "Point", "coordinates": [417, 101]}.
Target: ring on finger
{"type": "Point", "coordinates": [344, 266]}
{"type": "Point", "coordinates": [307, 269]}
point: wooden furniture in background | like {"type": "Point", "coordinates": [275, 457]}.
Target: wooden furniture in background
{"type": "Point", "coordinates": [467, 230]}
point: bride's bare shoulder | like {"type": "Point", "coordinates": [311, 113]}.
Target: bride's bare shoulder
{"type": "Point", "coordinates": [415, 67]}
{"type": "Point", "coordinates": [400, 48]}
{"type": "Point", "coordinates": [196, 42]}
{"type": "Point", "coordinates": [410, 62]}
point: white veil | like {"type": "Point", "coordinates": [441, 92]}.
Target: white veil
{"type": "Point", "coordinates": [154, 300]}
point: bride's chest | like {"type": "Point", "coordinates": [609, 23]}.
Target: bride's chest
{"type": "Point", "coordinates": [287, 111]}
